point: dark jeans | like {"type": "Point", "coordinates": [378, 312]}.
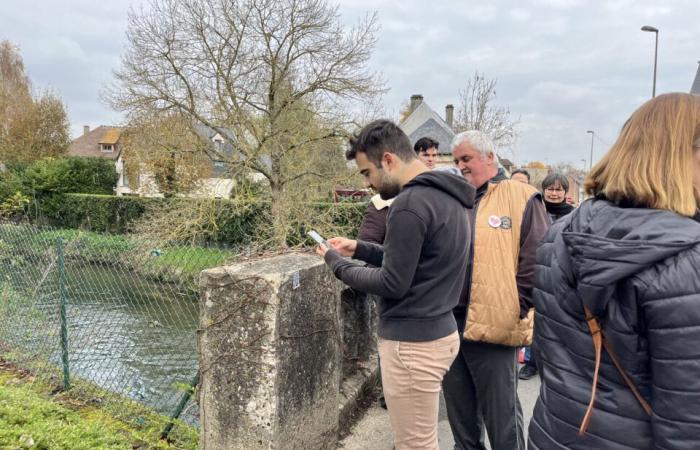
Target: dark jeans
{"type": "Point", "coordinates": [531, 356]}
{"type": "Point", "coordinates": [481, 389]}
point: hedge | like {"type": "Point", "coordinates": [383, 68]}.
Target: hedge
{"type": "Point", "coordinates": [234, 224]}
{"type": "Point", "coordinates": [88, 175]}
{"type": "Point", "coordinates": [101, 213]}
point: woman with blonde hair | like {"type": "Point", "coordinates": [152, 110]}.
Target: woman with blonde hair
{"type": "Point", "coordinates": [617, 295]}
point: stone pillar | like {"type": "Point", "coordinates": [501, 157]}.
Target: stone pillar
{"type": "Point", "coordinates": [270, 357]}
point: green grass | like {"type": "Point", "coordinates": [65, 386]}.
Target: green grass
{"type": "Point", "coordinates": [191, 260]}
{"type": "Point", "coordinates": [100, 248]}
{"type": "Point", "coordinates": [88, 243]}
{"type": "Point", "coordinates": [29, 412]}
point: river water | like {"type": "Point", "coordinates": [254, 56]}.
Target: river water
{"type": "Point", "coordinates": [127, 333]}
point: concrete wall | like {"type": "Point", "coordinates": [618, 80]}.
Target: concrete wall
{"type": "Point", "coordinates": [272, 340]}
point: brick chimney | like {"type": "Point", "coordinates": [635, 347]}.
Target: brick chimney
{"type": "Point", "coordinates": [86, 129]}
{"type": "Point", "coordinates": [416, 100]}
{"type": "Point", "coordinates": [450, 115]}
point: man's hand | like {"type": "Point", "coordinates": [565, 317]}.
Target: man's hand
{"type": "Point", "coordinates": [344, 246]}
{"type": "Point", "coordinates": [321, 251]}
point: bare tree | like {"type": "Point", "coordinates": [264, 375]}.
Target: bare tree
{"type": "Point", "coordinates": [276, 77]}
{"type": "Point", "coordinates": [477, 111]}
{"type": "Point", "coordinates": [567, 168]}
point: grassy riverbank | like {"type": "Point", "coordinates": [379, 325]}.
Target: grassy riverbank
{"type": "Point", "coordinates": [34, 416]}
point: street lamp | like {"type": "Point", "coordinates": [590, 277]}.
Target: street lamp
{"type": "Point", "coordinates": [651, 29]}
{"type": "Point", "coordinates": [581, 179]}
{"type": "Point", "coordinates": [591, 160]}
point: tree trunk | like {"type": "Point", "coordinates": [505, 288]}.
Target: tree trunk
{"type": "Point", "coordinates": [279, 215]}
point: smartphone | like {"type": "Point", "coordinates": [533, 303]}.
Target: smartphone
{"type": "Point", "coordinates": [317, 237]}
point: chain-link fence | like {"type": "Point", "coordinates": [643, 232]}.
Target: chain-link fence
{"type": "Point", "coordinates": [112, 312]}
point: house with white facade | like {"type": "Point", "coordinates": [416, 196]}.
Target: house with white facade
{"type": "Point", "coordinates": [105, 142]}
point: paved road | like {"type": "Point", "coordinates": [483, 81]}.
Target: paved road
{"type": "Point", "coordinates": [373, 432]}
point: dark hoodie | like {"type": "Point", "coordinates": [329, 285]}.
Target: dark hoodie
{"type": "Point", "coordinates": [637, 270]}
{"type": "Point", "coordinates": [421, 267]}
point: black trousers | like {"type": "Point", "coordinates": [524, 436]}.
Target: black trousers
{"type": "Point", "coordinates": [481, 394]}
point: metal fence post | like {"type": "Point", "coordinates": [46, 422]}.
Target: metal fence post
{"type": "Point", "coordinates": [180, 407]}
{"type": "Point", "coordinates": [63, 295]}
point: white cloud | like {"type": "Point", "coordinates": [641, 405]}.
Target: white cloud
{"type": "Point", "coordinates": [564, 66]}
{"type": "Point", "coordinates": [519, 14]}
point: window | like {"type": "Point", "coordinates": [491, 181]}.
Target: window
{"type": "Point", "coordinates": [107, 148]}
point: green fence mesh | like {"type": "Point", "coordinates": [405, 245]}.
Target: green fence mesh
{"type": "Point", "coordinates": [108, 311]}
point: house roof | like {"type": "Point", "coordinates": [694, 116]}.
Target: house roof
{"type": "Point", "coordinates": [505, 162]}
{"type": "Point", "coordinates": [89, 143]}
{"type": "Point", "coordinates": [424, 121]}
{"type": "Point", "coordinates": [227, 150]}
{"type": "Point", "coordinates": [111, 136]}
{"type": "Point", "coordinates": [695, 89]}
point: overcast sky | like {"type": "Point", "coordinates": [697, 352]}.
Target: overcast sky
{"type": "Point", "coordinates": [563, 66]}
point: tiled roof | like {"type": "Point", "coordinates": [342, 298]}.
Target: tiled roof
{"type": "Point", "coordinates": [111, 136]}
{"type": "Point", "coordinates": [89, 144]}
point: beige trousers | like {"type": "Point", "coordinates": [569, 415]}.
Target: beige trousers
{"type": "Point", "coordinates": [412, 373]}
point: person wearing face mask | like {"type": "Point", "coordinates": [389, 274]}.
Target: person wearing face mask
{"type": "Point", "coordinates": [617, 295]}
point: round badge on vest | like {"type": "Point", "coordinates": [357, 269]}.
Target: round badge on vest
{"type": "Point", "coordinates": [494, 222]}
{"type": "Point", "coordinates": [506, 223]}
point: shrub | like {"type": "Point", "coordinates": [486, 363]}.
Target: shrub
{"type": "Point", "coordinates": [14, 206]}
{"type": "Point", "coordinates": [10, 184]}
{"type": "Point", "coordinates": [329, 219]}
{"type": "Point", "coordinates": [104, 213]}
{"type": "Point", "coordinates": [73, 174]}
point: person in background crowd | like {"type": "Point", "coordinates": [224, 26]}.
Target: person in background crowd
{"type": "Point", "coordinates": [373, 226]}
{"type": "Point", "coordinates": [521, 175]}
{"type": "Point", "coordinates": [373, 229]}
{"type": "Point", "coordinates": [427, 150]}
{"type": "Point", "coordinates": [418, 273]}
{"type": "Point", "coordinates": [554, 188]}
{"type": "Point", "coordinates": [617, 295]}
{"type": "Point", "coordinates": [494, 313]}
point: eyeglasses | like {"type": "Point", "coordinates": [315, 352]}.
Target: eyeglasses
{"type": "Point", "coordinates": [551, 189]}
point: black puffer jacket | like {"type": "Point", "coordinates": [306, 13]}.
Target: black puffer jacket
{"type": "Point", "coordinates": [638, 270]}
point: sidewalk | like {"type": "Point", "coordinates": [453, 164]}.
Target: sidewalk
{"type": "Point", "coordinates": [373, 432]}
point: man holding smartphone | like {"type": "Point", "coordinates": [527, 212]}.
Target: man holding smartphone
{"type": "Point", "coordinates": [419, 273]}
